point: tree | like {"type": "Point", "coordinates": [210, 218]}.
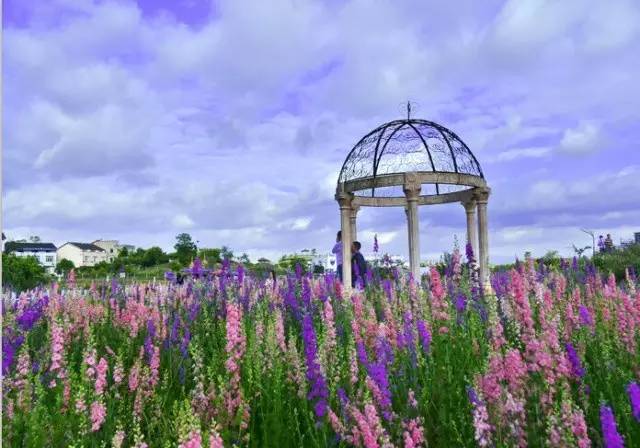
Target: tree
{"type": "Point", "coordinates": [210, 257]}
{"type": "Point", "coordinates": [34, 239]}
{"type": "Point", "coordinates": [153, 257]}
{"type": "Point", "coordinates": [227, 254]}
{"type": "Point", "coordinates": [22, 273]}
{"type": "Point", "coordinates": [64, 266]}
{"type": "Point", "coordinates": [185, 248]}
{"type": "Point", "coordinates": [244, 259]}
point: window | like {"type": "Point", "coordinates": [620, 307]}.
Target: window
{"type": "Point", "coordinates": [94, 258]}
{"type": "Point", "coordinates": [111, 250]}
{"type": "Point", "coordinates": [49, 258]}
{"type": "Point", "coordinates": [86, 258]}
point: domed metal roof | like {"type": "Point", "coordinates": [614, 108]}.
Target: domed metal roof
{"type": "Point", "coordinates": [410, 146]}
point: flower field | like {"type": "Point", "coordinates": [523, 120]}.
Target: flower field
{"type": "Point", "coordinates": [549, 358]}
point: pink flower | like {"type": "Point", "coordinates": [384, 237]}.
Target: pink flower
{"type": "Point", "coordinates": [155, 366]}
{"type": "Point", "coordinates": [280, 332]}
{"type": "Point", "coordinates": [215, 441]}
{"type": "Point", "coordinates": [98, 414]}
{"type": "Point", "coordinates": [101, 378]}
{"type": "Point", "coordinates": [439, 305]}
{"type": "Point", "coordinates": [118, 373]}
{"type": "Point", "coordinates": [412, 399]}
{"type": "Point", "coordinates": [413, 434]}
{"type": "Point", "coordinates": [134, 377]}
{"type": "Point", "coordinates": [118, 438]}
{"type": "Point", "coordinates": [195, 441]}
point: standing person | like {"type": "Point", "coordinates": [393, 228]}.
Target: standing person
{"type": "Point", "coordinates": [601, 243]}
{"type": "Point", "coordinates": [608, 243]}
{"type": "Point", "coordinates": [337, 249]}
{"type": "Point", "coordinates": [358, 265]}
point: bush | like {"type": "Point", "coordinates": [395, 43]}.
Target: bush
{"type": "Point", "coordinates": [22, 273]}
{"type": "Point", "coordinates": [617, 261]}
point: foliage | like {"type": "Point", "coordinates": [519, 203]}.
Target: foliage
{"type": "Point", "coordinates": [22, 273]}
{"type": "Point", "coordinates": [64, 266]}
{"type": "Point", "coordinates": [288, 263]}
{"type": "Point", "coordinates": [618, 260]}
{"type": "Point", "coordinates": [186, 249]}
{"type": "Point", "coordinates": [305, 365]}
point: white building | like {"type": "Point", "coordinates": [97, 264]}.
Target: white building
{"type": "Point", "coordinates": [45, 253]}
{"type": "Point", "coordinates": [82, 254]}
{"type": "Point", "coordinates": [111, 247]}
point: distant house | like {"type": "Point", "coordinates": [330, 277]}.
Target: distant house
{"type": "Point", "coordinates": [111, 247]}
{"type": "Point", "coordinates": [45, 253]}
{"type": "Point", "coordinates": [82, 254]}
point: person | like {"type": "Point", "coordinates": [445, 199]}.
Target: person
{"type": "Point", "coordinates": [608, 243]}
{"type": "Point", "coordinates": [358, 265]}
{"type": "Point", "coordinates": [337, 250]}
{"type": "Point", "coordinates": [601, 243]}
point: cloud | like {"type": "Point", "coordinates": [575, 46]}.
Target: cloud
{"type": "Point", "coordinates": [127, 121]}
{"type": "Point", "coordinates": [519, 153]}
{"type": "Point", "coordinates": [583, 139]}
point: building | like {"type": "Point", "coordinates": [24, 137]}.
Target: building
{"type": "Point", "coordinates": [111, 247]}
{"type": "Point", "coordinates": [82, 254]}
{"type": "Point", "coordinates": [45, 253]}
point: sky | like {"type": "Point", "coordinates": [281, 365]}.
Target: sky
{"type": "Point", "coordinates": [230, 120]}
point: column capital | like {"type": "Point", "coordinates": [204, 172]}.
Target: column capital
{"type": "Point", "coordinates": [344, 199]}
{"type": "Point", "coordinates": [412, 186]}
{"type": "Point", "coordinates": [481, 195]}
{"type": "Point", "coordinates": [355, 208]}
{"type": "Point", "coordinates": [469, 205]}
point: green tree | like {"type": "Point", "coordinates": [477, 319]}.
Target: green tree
{"type": "Point", "coordinates": [210, 257]}
{"type": "Point", "coordinates": [185, 248]}
{"type": "Point", "coordinates": [64, 266]}
{"type": "Point", "coordinates": [244, 259]}
{"type": "Point", "coordinates": [153, 257]}
{"type": "Point", "coordinates": [22, 273]}
{"type": "Point", "coordinates": [227, 254]}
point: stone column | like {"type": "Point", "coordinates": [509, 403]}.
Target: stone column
{"type": "Point", "coordinates": [472, 231]}
{"type": "Point", "coordinates": [344, 199]}
{"type": "Point", "coordinates": [352, 220]}
{"type": "Point", "coordinates": [412, 193]}
{"type": "Point", "coordinates": [481, 197]}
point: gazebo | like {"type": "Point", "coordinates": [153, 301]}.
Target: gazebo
{"type": "Point", "coordinates": [407, 163]}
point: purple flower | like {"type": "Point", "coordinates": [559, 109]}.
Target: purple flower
{"type": "Point", "coordinates": [408, 332]}
{"type": "Point", "coordinates": [316, 380]}
{"type": "Point", "coordinates": [576, 366]}
{"type": "Point", "coordinates": [634, 396]}
{"type": "Point", "coordinates": [424, 336]}
{"type": "Point", "coordinates": [610, 435]}
{"type": "Point", "coordinates": [473, 396]}
{"type": "Point", "coordinates": [469, 253]}
{"type": "Point", "coordinates": [461, 303]}
{"type": "Point", "coordinates": [375, 244]}
{"type": "Point", "coordinates": [378, 373]}
{"type": "Point", "coordinates": [170, 276]}
{"type": "Point", "coordinates": [240, 274]}
{"type": "Point", "coordinates": [585, 316]}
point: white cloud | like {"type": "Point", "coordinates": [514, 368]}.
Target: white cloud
{"type": "Point", "coordinates": [583, 139]}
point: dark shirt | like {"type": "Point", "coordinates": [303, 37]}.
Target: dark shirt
{"type": "Point", "coordinates": [358, 269]}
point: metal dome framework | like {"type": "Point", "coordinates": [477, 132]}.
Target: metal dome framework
{"type": "Point", "coordinates": [407, 163]}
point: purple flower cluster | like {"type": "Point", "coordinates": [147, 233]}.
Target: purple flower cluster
{"type": "Point", "coordinates": [634, 397]}
{"type": "Point", "coordinates": [612, 439]}
{"type": "Point", "coordinates": [424, 336]}
{"type": "Point", "coordinates": [576, 365]}
{"type": "Point", "coordinates": [32, 314]}
{"type": "Point", "coordinates": [585, 316]}
{"type": "Point", "coordinates": [317, 381]}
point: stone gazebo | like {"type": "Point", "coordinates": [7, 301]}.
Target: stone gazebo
{"type": "Point", "coordinates": [407, 163]}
